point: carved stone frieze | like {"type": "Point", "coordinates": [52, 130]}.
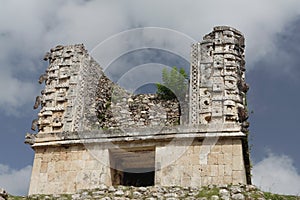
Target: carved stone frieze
{"type": "Point", "coordinates": [221, 70]}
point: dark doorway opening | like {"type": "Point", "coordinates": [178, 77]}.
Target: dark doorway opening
{"type": "Point", "coordinates": [133, 167]}
{"type": "Point", "coordinates": [138, 179]}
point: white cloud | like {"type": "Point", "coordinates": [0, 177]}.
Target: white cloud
{"type": "Point", "coordinates": [14, 93]}
{"type": "Point", "coordinates": [15, 182]}
{"type": "Point", "coordinates": [28, 29]}
{"type": "Point", "coordinates": [277, 174]}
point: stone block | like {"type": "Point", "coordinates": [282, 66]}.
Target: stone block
{"type": "Point", "coordinates": [206, 180]}
{"type": "Point", "coordinates": [238, 177]}
{"type": "Point", "coordinates": [228, 141]}
{"type": "Point", "coordinates": [194, 182]}
{"type": "Point", "coordinates": [228, 158]}
{"type": "Point", "coordinates": [69, 188]}
{"type": "Point", "coordinates": [205, 118]}
{"type": "Point", "coordinates": [216, 148]}
{"type": "Point", "coordinates": [205, 75]}
{"type": "Point", "coordinates": [44, 167]}
{"type": "Point", "coordinates": [237, 163]}
{"type": "Point", "coordinates": [90, 164]}
{"type": "Point", "coordinates": [221, 160]}
{"type": "Point", "coordinates": [185, 180]}
{"type": "Point", "coordinates": [194, 159]}
{"type": "Point", "coordinates": [87, 156]}
{"type": "Point", "coordinates": [71, 176]}
{"type": "Point", "coordinates": [221, 171]}
{"type": "Point", "coordinates": [95, 177]}
{"type": "Point", "coordinates": [227, 148]}
{"type": "Point", "coordinates": [42, 188]}
{"type": "Point", "coordinates": [37, 164]}
{"type": "Point", "coordinates": [212, 158]}
{"type": "Point", "coordinates": [218, 72]}
{"type": "Point", "coordinates": [43, 177]}
{"type": "Point", "coordinates": [51, 167]}
{"type": "Point", "coordinates": [60, 166]}
{"type": "Point", "coordinates": [237, 147]}
{"type": "Point", "coordinates": [214, 170]}
{"type": "Point", "coordinates": [217, 109]}
{"type": "Point", "coordinates": [76, 165]}
{"type": "Point", "coordinates": [190, 170]}
{"type": "Point", "coordinates": [51, 176]}
{"type": "Point", "coordinates": [158, 179]}
{"type": "Point", "coordinates": [227, 179]}
{"type": "Point", "coordinates": [227, 170]}
{"type": "Point", "coordinates": [68, 156]}
{"type": "Point", "coordinates": [63, 156]}
{"type": "Point", "coordinates": [196, 148]}
{"type": "Point", "coordinates": [106, 179]}
{"type": "Point", "coordinates": [218, 61]}
{"type": "Point", "coordinates": [76, 156]}
{"type": "Point", "coordinates": [205, 171]}
{"type": "Point", "coordinates": [204, 92]}
{"type": "Point", "coordinates": [218, 84]}
{"type": "Point", "coordinates": [55, 157]}
{"type": "Point", "coordinates": [83, 177]}
{"type": "Point", "coordinates": [217, 180]}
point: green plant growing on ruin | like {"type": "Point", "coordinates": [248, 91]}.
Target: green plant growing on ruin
{"type": "Point", "coordinates": [175, 84]}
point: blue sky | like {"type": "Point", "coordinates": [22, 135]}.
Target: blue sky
{"type": "Point", "coordinates": [30, 28]}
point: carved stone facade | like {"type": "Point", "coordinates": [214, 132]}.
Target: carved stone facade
{"type": "Point", "coordinates": [92, 132]}
{"type": "Point", "coordinates": [217, 86]}
{"type": "Point", "coordinates": [70, 90]}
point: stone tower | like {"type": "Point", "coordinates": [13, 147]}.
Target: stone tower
{"type": "Point", "coordinates": [217, 79]}
{"type": "Point", "coordinates": [93, 132]}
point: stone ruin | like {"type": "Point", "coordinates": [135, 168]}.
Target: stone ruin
{"type": "Point", "coordinates": [92, 132]}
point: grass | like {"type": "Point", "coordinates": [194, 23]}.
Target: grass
{"type": "Point", "coordinates": [271, 196]}
{"type": "Point", "coordinates": [40, 197]}
{"type": "Point", "coordinates": [206, 192]}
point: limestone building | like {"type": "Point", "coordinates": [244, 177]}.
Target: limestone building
{"type": "Point", "coordinates": [93, 132]}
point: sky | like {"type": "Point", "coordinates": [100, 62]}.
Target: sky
{"type": "Point", "coordinates": [30, 28]}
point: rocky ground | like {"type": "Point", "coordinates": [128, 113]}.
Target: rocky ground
{"type": "Point", "coordinates": [235, 192]}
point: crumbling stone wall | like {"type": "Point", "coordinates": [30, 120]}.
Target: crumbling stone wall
{"type": "Point", "coordinates": [79, 97]}
{"type": "Point", "coordinates": [117, 108]}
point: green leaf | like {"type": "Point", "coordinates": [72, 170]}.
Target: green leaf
{"type": "Point", "coordinates": [175, 84]}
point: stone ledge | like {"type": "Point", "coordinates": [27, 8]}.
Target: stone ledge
{"type": "Point", "coordinates": [118, 135]}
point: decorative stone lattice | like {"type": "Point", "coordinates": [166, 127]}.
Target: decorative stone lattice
{"type": "Point", "coordinates": [194, 85]}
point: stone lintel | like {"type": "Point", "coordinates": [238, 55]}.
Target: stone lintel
{"type": "Point", "coordinates": [131, 139]}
